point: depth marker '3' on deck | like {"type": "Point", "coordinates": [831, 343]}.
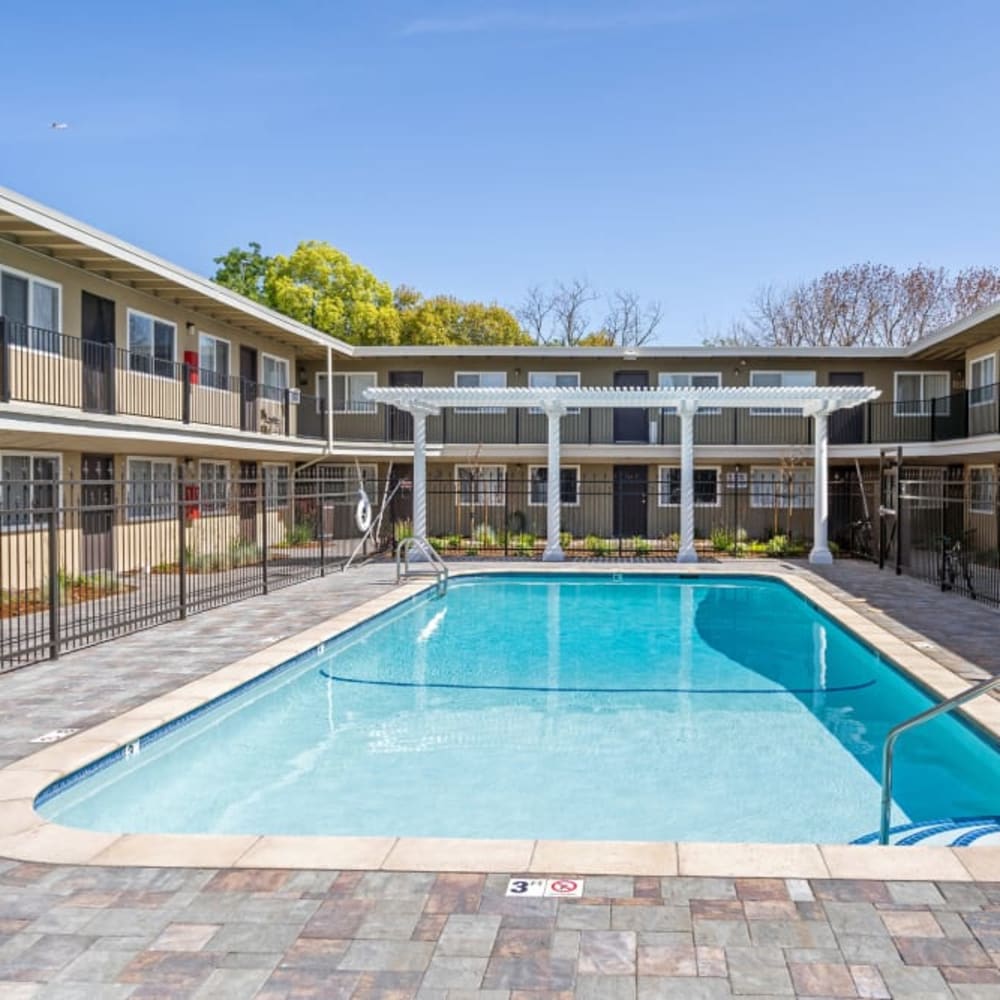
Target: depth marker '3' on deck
{"type": "Point", "coordinates": [552, 887]}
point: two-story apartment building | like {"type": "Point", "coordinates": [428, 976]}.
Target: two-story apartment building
{"type": "Point", "coordinates": [116, 366]}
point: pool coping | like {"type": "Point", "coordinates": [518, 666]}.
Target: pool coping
{"type": "Point", "coordinates": [27, 836]}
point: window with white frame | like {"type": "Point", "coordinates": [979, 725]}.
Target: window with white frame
{"type": "Point", "coordinates": [554, 380]}
{"type": "Point", "coordinates": [275, 486]}
{"type": "Point", "coordinates": [33, 311]}
{"type": "Point", "coordinates": [538, 485]}
{"type": "Point", "coordinates": [214, 487]}
{"type": "Point", "coordinates": [982, 489]}
{"type": "Point", "coordinates": [706, 487]}
{"type": "Point", "coordinates": [151, 344]}
{"type": "Point", "coordinates": [691, 380]}
{"type": "Point", "coordinates": [348, 391]}
{"type": "Point", "coordinates": [29, 485]}
{"type": "Point", "coordinates": [151, 491]}
{"type": "Point", "coordinates": [340, 483]}
{"type": "Point", "coordinates": [274, 377]}
{"type": "Point", "coordinates": [480, 380]}
{"type": "Point", "coordinates": [771, 486]}
{"type": "Point", "coordinates": [481, 485]}
{"type": "Point", "coordinates": [780, 380]}
{"type": "Point", "coordinates": [915, 390]}
{"type": "Point", "coordinates": [213, 361]}
{"type": "Point", "coordinates": [982, 377]}
{"type": "Point", "coordinates": [922, 486]}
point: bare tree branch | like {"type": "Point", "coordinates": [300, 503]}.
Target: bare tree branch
{"type": "Point", "coordinates": [534, 312]}
{"type": "Point", "coordinates": [569, 310]}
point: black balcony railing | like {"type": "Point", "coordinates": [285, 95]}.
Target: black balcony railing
{"type": "Point", "coordinates": [41, 366]}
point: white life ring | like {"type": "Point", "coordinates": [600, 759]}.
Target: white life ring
{"type": "Point", "coordinates": [363, 512]}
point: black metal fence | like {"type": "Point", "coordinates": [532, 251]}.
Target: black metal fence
{"type": "Point", "coordinates": [83, 561]}
{"type": "Point", "coordinates": [939, 524]}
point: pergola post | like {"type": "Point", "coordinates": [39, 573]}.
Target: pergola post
{"type": "Point", "coordinates": [687, 409]}
{"type": "Point", "coordinates": [420, 415]}
{"type": "Point", "coordinates": [820, 553]}
{"type": "Point", "coordinates": [553, 521]}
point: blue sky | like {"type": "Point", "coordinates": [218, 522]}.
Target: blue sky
{"type": "Point", "coordinates": [691, 150]}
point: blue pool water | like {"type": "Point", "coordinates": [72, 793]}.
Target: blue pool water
{"type": "Point", "coordinates": [592, 707]}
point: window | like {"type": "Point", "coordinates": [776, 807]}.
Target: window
{"type": "Point", "coordinates": [340, 483]}
{"type": "Point", "coordinates": [706, 487]}
{"type": "Point", "coordinates": [554, 380]}
{"type": "Point", "coordinates": [151, 491]}
{"type": "Point", "coordinates": [214, 487]}
{"type": "Point", "coordinates": [348, 391]}
{"type": "Point", "coordinates": [28, 485]}
{"type": "Point", "coordinates": [772, 487]}
{"type": "Point", "coordinates": [32, 309]}
{"type": "Point", "coordinates": [915, 390]}
{"type": "Point", "coordinates": [922, 486]}
{"type": "Point", "coordinates": [151, 344]}
{"type": "Point", "coordinates": [480, 380]}
{"type": "Point", "coordinates": [274, 377]}
{"type": "Point", "coordinates": [481, 485]}
{"type": "Point", "coordinates": [982, 489]}
{"type": "Point", "coordinates": [690, 380]}
{"type": "Point", "coordinates": [569, 485]}
{"type": "Point", "coordinates": [275, 486]}
{"type": "Point", "coordinates": [213, 360]}
{"type": "Point", "coordinates": [780, 380]}
{"type": "Point", "coordinates": [982, 376]}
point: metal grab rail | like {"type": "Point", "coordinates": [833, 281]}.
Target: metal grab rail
{"type": "Point", "coordinates": [436, 562]}
{"type": "Point", "coordinates": [890, 742]}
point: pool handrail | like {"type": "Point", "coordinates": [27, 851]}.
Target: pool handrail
{"type": "Point", "coordinates": [428, 550]}
{"type": "Point", "coordinates": [933, 712]}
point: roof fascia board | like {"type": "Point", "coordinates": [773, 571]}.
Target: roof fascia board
{"type": "Point", "coordinates": [63, 225]}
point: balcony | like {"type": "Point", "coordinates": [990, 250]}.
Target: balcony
{"type": "Point", "coordinates": [53, 369]}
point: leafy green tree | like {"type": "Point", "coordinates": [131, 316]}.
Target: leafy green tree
{"type": "Point", "coordinates": [443, 319]}
{"type": "Point", "coordinates": [320, 285]}
{"type": "Point", "coordinates": [244, 271]}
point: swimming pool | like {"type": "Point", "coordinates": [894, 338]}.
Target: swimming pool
{"type": "Point", "coordinates": [560, 707]}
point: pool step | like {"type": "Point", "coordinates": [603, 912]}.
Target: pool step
{"type": "Point", "coordinates": [973, 831]}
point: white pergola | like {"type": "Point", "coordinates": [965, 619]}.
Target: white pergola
{"type": "Point", "coordinates": [816, 402]}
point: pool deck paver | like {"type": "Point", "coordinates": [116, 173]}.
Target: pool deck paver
{"type": "Point", "coordinates": [94, 931]}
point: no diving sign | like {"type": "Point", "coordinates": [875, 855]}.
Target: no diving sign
{"type": "Point", "coordinates": [565, 887]}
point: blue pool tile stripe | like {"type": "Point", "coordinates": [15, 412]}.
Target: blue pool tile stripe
{"type": "Point", "coordinates": [586, 690]}
{"type": "Point", "coordinates": [981, 826]}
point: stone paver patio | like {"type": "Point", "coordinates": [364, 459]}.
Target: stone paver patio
{"type": "Point", "coordinates": [92, 932]}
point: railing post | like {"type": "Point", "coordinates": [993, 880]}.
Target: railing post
{"type": "Point", "coordinates": [261, 505]}
{"type": "Point", "coordinates": [181, 545]}
{"type": "Point", "coordinates": [53, 537]}
{"type": "Point", "coordinates": [590, 425]}
{"type": "Point", "coordinates": [110, 358]}
{"type": "Point", "coordinates": [868, 422]}
{"type": "Point", "coordinates": [517, 425]}
{"type": "Point", "coordinates": [4, 362]}
{"type": "Point", "coordinates": [736, 425]}
{"type": "Point", "coordinates": [934, 419]}
{"type": "Point", "coordinates": [287, 414]}
{"type": "Point", "coordinates": [321, 528]}
{"type": "Point", "coordinates": [186, 393]}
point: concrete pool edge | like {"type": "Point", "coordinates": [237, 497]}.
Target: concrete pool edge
{"type": "Point", "coordinates": [25, 835]}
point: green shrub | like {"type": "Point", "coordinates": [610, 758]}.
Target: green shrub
{"type": "Point", "coordinates": [402, 529]}
{"type": "Point", "coordinates": [641, 546]}
{"type": "Point", "coordinates": [833, 547]}
{"type": "Point", "coordinates": [522, 544]}
{"type": "Point", "coordinates": [484, 536]}
{"type": "Point", "coordinates": [437, 544]}
{"type": "Point", "coordinates": [299, 533]}
{"type": "Point", "coordinates": [566, 539]}
{"type": "Point", "coordinates": [597, 546]}
{"type": "Point", "coordinates": [453, 541]}
{"type": "Point", "coordinates": [722, 540]}
{"type": "Point", "coordinates": [244, 553]}
{"type": "Point", "coordinates": [777, 545]}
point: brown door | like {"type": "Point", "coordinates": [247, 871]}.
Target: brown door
{"type": "Point", "coordinates": [630, 422]}
{"type": "Point", "coordinates": [248, 501]}
{"type": "Point", "coordinates": [97, 513]}
{"type": "Point", "coordinates": [847, 426]}
{"type": "Point", "coordinates": [248, 389]}
{"type": "Point", "coordinates": [97, 330]}
{"type": "Point", "coordinates": [399, 423]}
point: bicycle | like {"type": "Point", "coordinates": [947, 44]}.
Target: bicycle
{"type": "Point", "coordinates": [955, 563]}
